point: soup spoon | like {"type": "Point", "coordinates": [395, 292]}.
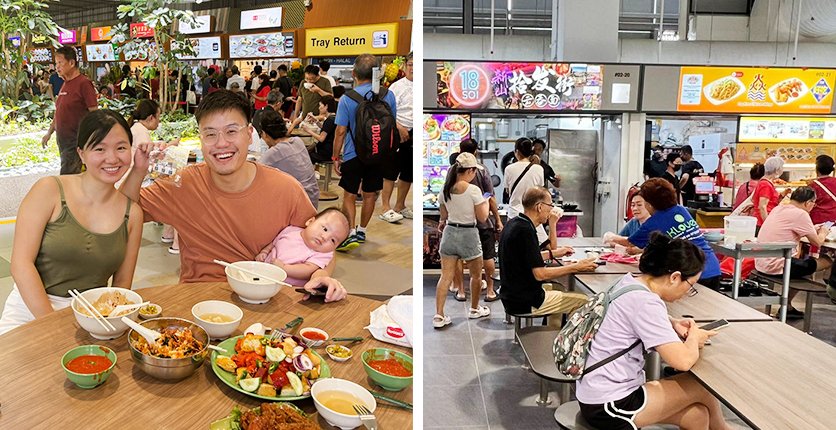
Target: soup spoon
{"type": "Point", "coordinates": [150, 336]}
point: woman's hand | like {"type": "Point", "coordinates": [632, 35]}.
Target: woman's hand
{"type": "Point", "coordinates": [699, 334]}
{"type": "Point", "coordinates": [681, 326]}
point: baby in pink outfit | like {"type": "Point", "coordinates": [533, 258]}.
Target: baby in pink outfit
{"type": "Point", "coordinates": [303, 251]}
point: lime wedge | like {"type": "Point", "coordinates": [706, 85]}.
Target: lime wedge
{"type": "Point", "coordinates": [295, 382]}
{"type": "Point", "coordinates": [251, 384]}
{"type": "Point", "coordinates": [275, 355]}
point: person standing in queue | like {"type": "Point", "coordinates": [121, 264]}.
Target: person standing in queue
{"type": "Point", "coordinates": [76, 97]}
{"type": "Point", "coordinates": [549, 176]}
{"type": "Point", "coordinates": [400, 169]}
{"type": "Point", "coordinates": [825, 187]}
{"type": "Point", "coordinates": [617, 396]}
{"type": "Point", "coordinates": [522, 264]}
{"type": "Point", "coordinates": [674, 164]}
{"type": "Point", "coordinates": [690, 169]}
{"type": "Point", "coordinates": [520, 177]}
{"type": "Point", "coordinates": [462, 207]}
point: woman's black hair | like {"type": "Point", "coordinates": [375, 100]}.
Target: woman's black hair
{"type": "Point", "coordinates": [525, 146]}
{"type": "Point", "coordinates": [803, 194]}
{"type": "Point", "coordinates": [757, 171]}
{"type": "Point", "coordinates": [144, 108]}
{"type": "Point", "coordinates": [97, 124]}
{"type": "Point", "coordinates": [663, 256]}
{"type": "Point", "coordinates": [273, 125]}
{"type": "Point", "coordinates": [330, 103]}
{"type": "Point", "coordinates": [450, 180]}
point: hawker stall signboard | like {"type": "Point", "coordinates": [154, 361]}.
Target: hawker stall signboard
{"type": "Point", "coordinates": [41, 55]}
{"type": "Point", "coordinates": [787, 129]}
{"type": "Point", "coordinates": [269, 45]}
{"type": "Point", "coordinates": [261, 18]}
{"type": "Point", "coordinates": [139, 30]}
{"type": "Point", "coordinates": [755, 90]}
{"type": "Point", "coordinates": [99, 53]}
{"type": "Point", "coordinates": [67, 37]}
{"type": "Point", "coordinates": [203, 24]}
{"type": "Point", "coordinates": [514, 86]}
{"type": "Point", "coordinates": [376, 39]}
{"type": "Point", "coordinates": [791, 153]}
{"type": "Point", "coordinates": [100, 34]}
{"type": "Point", "coordinates": [204, 48]}
{"type": "Point", "coordinates": [442, 135]}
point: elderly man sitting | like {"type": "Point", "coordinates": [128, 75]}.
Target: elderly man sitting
{"type": "Point", "coordinates": [522, 266]}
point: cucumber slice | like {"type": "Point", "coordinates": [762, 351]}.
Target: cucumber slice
{"type": "Point", "coordinates": [249, 384]}
{"type": "Point", "coordinates": [295, 382]}
{"type": "Point", "coordinates": [275, 355]}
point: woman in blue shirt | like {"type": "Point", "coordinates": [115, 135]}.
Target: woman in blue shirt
{"type": "Point", "coordinates": [674, 221]}
{"type": "Point", "coordinates": [640, 215]}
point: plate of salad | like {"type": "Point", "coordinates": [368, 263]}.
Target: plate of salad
{"type": "Point", "coordinates": [276, 414]}
{"type": "Point", "coordinates": [280, 368]}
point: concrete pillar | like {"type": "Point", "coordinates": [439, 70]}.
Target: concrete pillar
{"type": "Point", "coordinates": [632, 159]}
{"type": "Point", "coordinates": [588, 30]}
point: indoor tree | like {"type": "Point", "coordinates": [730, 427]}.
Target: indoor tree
{"type": "Point", "coordinates": [24, 18]}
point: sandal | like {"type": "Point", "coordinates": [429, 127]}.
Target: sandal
{"type": "Point", "coordinates": [484, 285]}
{"type": "Point", "coordinates": [440, 321]}
{"type": "Point", "coordinates": [492, 298]}
{"type": "Point", "coordinates": [481, 311]}
{"type": "Point", "coordinates": [461, 297]}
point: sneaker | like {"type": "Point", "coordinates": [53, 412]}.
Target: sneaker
{"type": "Point", "coordinates": [794, 314]}
{"type": "Point", "coordinates": [391, 216]}
{"type": "Point", "coordinates": [407, 213]}
{"type": "Point", "coordinates": [480, 312]}
{"type": "Point", "coordinates": [348, 244]}
{"type": "Point", "coordinates": [361, 237]}
{"type": "Point", "coordinates": [441, 321]}
{"type": "Point", "coordinates": [164, 239]}
{"type": "Point", "coordinates": [173, 250]}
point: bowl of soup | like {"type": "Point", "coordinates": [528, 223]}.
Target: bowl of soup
{"type": "Point", "coordinates": [390, 369]}
{"type": "Point", "coordinates": [105, 300]}
{"type": "Point", "coordinates": [335, 399]}
{"type": "Point", "coordinates": [88, 366]}
{"type": "Point", "coordinates": [220, 319]}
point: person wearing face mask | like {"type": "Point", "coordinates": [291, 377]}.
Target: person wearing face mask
{"type": "Point", "coordinates": [522, 264]}
{"type": "Point", "coordinates": [674, 165]}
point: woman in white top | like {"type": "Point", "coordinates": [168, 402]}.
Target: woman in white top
{"type": "Point", "coordinates": [462, 204]}
{"type": "Point", "coordinates": [145, 118]}
{"type": "Point", "coordinates": [528, 171]}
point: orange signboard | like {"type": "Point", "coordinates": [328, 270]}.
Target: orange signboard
{"type": "Point", "coordinates": [100, 34]}
{"type": "Point", "coordinates": [755, 90]}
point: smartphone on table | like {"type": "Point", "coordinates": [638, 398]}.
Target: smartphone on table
{"type": "Point", "coordinates": [715, 325]}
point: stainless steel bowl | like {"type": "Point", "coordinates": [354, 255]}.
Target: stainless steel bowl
{"type": "Point", "coordinates": [169, 369]}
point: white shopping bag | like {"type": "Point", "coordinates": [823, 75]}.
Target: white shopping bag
{"type": "Point", "coordinates": [392, 322]}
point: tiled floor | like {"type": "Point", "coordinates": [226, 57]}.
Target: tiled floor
{"type": "Point", "coordinates": [473, 377]}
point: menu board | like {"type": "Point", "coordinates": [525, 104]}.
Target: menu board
{"type": "Point", "coordinates": [791, 153]}
{"type": "Point", "coordinates": [442, 135]}
{"type": "Point", "coordinates": [268, 45]}
{"type": "Point", "coordinates": [42, 55]}
{"type": "Point", "coordinates": [755, 90]}
{"type": "Point", "coordinates": [204, 47]}
{"type": "Point", "coordinates": [510, 86]}
{"type": "Point", "coordinates": [785, 129]}
{"type": "Point", "coordinates": [261, 18]}
{"type": "Point", "coordinates": [103, 52]}
{"type": "Point", "coordinates": [141, 54]}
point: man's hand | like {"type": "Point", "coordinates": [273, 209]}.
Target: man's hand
{"type": "Point", "coordinates": [336, 291]}
{"type": "Point", "coordinates": [499, 226]}
{"type": "Point", "coordinates": [45, 140]}
{"type": "Point", "coordinates": [554, 216]}
{"type": "Point", "coordinates": [562, 251]}
{"type": "Point", "coordinates": [403, 132]}
{"type": "Point", "coordinates": [585, 265]}
{"type": "Point", "coordinates": [337, 164]}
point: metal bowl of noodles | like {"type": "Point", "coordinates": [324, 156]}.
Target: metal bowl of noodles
{"type": "Point", "coordinates": [169, 369]}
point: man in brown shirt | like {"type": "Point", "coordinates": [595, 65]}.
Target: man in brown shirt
{"type": "Point", "coordinates": [76, 98]}
{"type": "Point", "coordinates": [226, 208]}
{"type": "Point", "coordinates": [311, 90]}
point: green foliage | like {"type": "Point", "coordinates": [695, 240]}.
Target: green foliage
{"type": "Point", "coordinates": [23, 18]}
{"type": "Point", "coordinates": [124, 106]}
{"type": "Point", "coordinates": [39, 110]}
{"type": "Point", "coordinates": [27, 151]}
{"type": "Point", "coordinates": [169, 130]}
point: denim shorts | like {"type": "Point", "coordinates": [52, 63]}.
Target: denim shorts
{"type": "Point", "coordinates": [461, 242]}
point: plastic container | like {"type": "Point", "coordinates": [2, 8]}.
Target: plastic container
{"type": "Point", "coordinates": [739, 229]}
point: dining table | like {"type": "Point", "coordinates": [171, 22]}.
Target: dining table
{"type": "Point", "coordinates": [36, 393]}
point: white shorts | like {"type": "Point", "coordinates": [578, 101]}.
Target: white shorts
{"type": "Point", "coordinates": [16, 314]}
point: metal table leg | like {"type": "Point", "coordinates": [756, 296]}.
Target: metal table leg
{"type": "Point", "coordinates": [738, 267]}
{"type": "Point", "coordinates": [543, 399]}
{"type": "Point", "coordinates": [808, 312]}
{"type": "Point", "coordinates": [785, 291]}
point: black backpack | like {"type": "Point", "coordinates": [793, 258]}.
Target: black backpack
{"type": "Point", "coordinates": [375, 138]}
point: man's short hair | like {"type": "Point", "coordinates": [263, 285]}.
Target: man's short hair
{"type": "Point", "coordinates": [68, 52]}
{"type": "Point", "coordinates": [672, 157]}
{"type": "Point", "coordinates": [338, 90]}
{"type": "Point", "coordinates": [324, 65]}
{"type": "Point", "coordinates": [282, 67]}
{"type": "Point", "coordinates": [234, 70]}
{"type": "Point", "coordinates": [687, 150]}
{"type": "Point", "coordinates": [533, 196]}
{"type": "Point", "coordinates": [274, 96]}
{"type": "Point", "coordinates": [310, 69]}
{"type": "Point", "coordinates": [540, 142]}
{"type": "Point", "coordinates": [257, 69]}
{"type": "Point", "coordinates": [469, 145]}
{"type": "Point", "coordinates": [223, 100]}
{"type": "Point", "coordinates": [273, 74]}
{"type": "Point", "coordinates": [364, 66]}
{"type": "Point", "coordinates": [824, 164]}
{"type": "Point", "coordinates": [211, 71]}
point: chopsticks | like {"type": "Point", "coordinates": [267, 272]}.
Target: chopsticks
{"type": "Point", "coordinates": [93, 311]}
{"type": "Point", "coordinates": [347, 339]}
{"type": "Point", "coordinates": [397, 403]}
{"type": "Point", "coordinates": [252, 273]}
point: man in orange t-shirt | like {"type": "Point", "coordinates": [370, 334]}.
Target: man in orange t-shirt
{"type": "Point", "coordinates": [226, 208]}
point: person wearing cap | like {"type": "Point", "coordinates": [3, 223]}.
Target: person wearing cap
{"type": "Point", "coordinates": [462, 206]}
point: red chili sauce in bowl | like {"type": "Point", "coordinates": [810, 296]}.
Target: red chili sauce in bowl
{"type": "Point", "coordinates": [313, 335]}
{"type": "Point", "coordinates": [89, 364]}
{"type": "Point", "coordinates": [390, 366]}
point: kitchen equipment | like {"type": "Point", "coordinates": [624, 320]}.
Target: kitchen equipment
{"type": "Point", "coordinates": [573, 155]}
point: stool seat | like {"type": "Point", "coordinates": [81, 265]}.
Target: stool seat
{"type": "Point", "coordinates": [324, 193]}
{"type": "Point", "coordinates": [568, 416]}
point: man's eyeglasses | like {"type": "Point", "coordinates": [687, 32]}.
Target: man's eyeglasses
{"type": "Point", "coordinates": [551, 205]}
{"type": "Point", "coordinates": [691, 291]}
{"type": "Point", "coordinates": [230, 133]}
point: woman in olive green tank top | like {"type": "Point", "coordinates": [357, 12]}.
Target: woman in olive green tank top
{"type": "Point", "coordinates": [76, 231]}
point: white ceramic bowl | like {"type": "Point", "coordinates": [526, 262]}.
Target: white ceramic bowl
{"type": "Point", "coordinates": [149, 316]}
{"type": "Point", "coordinates": [89, 323]}
{"type": "Point", "coordinates": [343, 421]}
{"type": "Point", "coordinates": [214, 329]}
{"type": "Point", "coordinates": [313, 343]}
{"type": "Point", "coordinates": [250, 290]}
{"type": "Point", "coordinates": [339, 347]}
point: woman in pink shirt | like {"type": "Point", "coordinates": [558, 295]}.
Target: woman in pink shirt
{"type": "Point", "coordinates": [789, 223]}
{"type": "Point", "coordinates": [766, 197]}
{"type": "Point", "coordinates": [825, 187]}
{"type": "Point", "coordinates": [617, 396]}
